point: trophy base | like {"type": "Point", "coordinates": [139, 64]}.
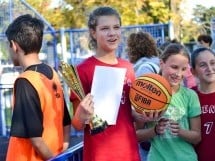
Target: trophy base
{"type": "Point", "coordinates": [98, 129]}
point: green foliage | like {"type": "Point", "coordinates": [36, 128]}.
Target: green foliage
{"type": "Point", "coordinates": [202, 17]}
{"type": "Point", "coordinates": [53, 15]}
{"type": "Point", "coordinates": [156, 11]}
{"type": "Point", "coordinates": [136, 12]}
{"type": "Point", "coordinates": [132, 12]}
{"type": "Point", "coordinates": [189, 31]}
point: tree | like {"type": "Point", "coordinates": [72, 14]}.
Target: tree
{"type": "Point", "coordinates": [156, 11]}
{"type": "Point", "coordinates": [132, 12]}
{"type": "Point", "coordinates": [202, 17]}
{"type": "Point", "coordinates": [137, 12]}
{"type": "Point", "coordinates": [189, 31]}
{"type": "Point", "coordinates": [176, 17]}
{"type": "Point", "coordinates": [53, 15]}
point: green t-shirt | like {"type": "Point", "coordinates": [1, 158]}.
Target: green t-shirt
{"type": "Point", "coordinates": [184, 105]}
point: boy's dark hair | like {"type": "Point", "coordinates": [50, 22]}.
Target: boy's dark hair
{"type": "Point", "coordinates": [27, 32]}
{"type": "Point", "coordinates": [206, 38]}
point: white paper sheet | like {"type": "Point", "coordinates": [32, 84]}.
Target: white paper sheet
{"type": "Point", "coordinates": [107, 89]}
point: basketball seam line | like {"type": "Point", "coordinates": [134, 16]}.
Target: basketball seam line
{"type": "Point", "coordinates": [148, 110]}
{"type": "Point", "coordinates": [155, 81]}
{"type": "Point", "coordinates": [167, 94]}
{"type": "Point", "coordinates": [151, 97]}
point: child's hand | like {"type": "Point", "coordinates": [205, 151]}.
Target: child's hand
{"type": "Point", "coordinates": [152, 115]}
{"type": "Point", "coordinates": [85, 109]}
{"type": "Point", "coordinates": [161, 126]}
{"type": "Point", "coordinates": [174, 127]}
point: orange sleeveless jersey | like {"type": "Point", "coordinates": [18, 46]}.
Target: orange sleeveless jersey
{"type": "Point", "coordinates": [52, 104]}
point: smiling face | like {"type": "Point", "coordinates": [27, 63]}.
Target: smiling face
{"type": "Point", "coordinates": [205, 67]}
{"type": "Point", "coordinates": [107, 33]}
{"type": "Point", "coordinates": [174, 69]}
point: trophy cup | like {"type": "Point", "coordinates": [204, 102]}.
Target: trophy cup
{"type": "Point", "coordinates": [72, 79]}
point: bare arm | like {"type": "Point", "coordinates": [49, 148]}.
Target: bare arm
{"type": "Point", "coordinates": [66, 136]}
{"type": "Point", "coordinates": [145, 134]}
{"type": "Point", "coordinates": [83, 112]}
{"type": "Point", "coordinates": [193, 135]}
{"type": "Point", "coordinates": [149, 133]}
{"type": "Point", "coordinates": [141, 118]}
{"type": "Point", "coordinates": [41, 148]}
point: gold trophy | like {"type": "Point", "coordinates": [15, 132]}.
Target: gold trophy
{"type": "Point", "coordinates": [72, 79]}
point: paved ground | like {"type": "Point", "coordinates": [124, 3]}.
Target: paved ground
{"type": "Point", "coordinates": [4, 144]}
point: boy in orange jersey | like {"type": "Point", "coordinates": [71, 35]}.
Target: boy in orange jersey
{"type": "Point", "coordinates": [40, 123]}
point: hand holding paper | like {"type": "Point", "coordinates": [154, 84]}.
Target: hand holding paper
{"type": "Point", "coordinates": [71, 77]}
{"type": "Point", "coordinates": [107, 90]}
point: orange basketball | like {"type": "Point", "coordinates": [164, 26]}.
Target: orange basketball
{"type": "Point", "coordinates": [150, 92]}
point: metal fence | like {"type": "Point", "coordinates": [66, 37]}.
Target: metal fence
{"type": "Point", "coordinates": [6, 109]}
{"type": "Point", "coordinates": [73, 46]}
{"type": "Point", "coordinates": [72, 154]}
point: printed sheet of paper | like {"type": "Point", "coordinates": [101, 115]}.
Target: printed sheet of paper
{"type": "Point", "coordinates": [107, 89]}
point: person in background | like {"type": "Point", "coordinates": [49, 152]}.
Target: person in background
{"type": "Point", "coordinates": [166, 43]}
{"type": "Point", "coordinates": [117, 142]}
{"type": "Point", "coordinates": [173, 136]}
{"type": "Point", "coordinates": [40, 126]}
{"type": "Point", "coordinates": [205, 40]}
{"type": "Point", "coordinates": [143, 53]}
{"type": "Point", "coordinates": [203, 67]}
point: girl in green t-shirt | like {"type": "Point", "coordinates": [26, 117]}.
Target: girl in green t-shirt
{"type": "Point", "coordinates": [173, 136]}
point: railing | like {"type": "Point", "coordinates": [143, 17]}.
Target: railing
{"type": "Point", "coordinates": [5, 108]}
{"type": "Point", "coordinates": [72, 154]}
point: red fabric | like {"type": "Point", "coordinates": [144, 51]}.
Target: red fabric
{"type": "Point", "coordinates": [205, 149]}
{"type": "Point", "coordinates": [118, 142]}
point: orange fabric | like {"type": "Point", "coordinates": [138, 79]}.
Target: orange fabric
{"type": "Point", "coordinates": [20, 149]}
{"type": "Point", "coordinates": [78, 125]}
